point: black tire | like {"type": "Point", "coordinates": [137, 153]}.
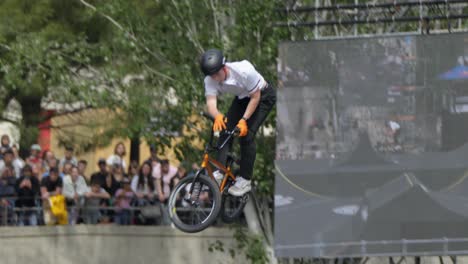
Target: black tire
{"type": "Point", "coordinates": [181, 209]}
{"type": "Point", "coordinates": [233, 207]}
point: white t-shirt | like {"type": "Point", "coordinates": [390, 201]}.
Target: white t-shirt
{"type": "Point", "coordinates": [70, 188]}
{"type": "Point", "coordinates": [18, 165]}
{"type": "Point", "coordinates": [166, 178]}
{"type": "Point", "coordinates": [134, 185]}
{"type": "Point", "coordinates": [115, 159]}
{"type": "Point", "coordinates": [242, 81]}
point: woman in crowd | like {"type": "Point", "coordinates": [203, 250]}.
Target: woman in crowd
{"type": "Point", "coordinates": [5, 144]}
{"type": "Point", "coordinates": [118, 156]}
{"type": "Point", "coordinates": [143, 183]}
{"type": "Point", "coordinates": [144, 189]}
{"type": "Point", "coordinates": [133, 170]}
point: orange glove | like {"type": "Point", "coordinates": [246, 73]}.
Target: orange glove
{"type": "Point", "coordinates": [219, 122]}
{"type": "Point", "coordinates": [242, 125]}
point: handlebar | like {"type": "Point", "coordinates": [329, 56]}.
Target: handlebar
{"type": "Point", "coordinates": [229, 133]}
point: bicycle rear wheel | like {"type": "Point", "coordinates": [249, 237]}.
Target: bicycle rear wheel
{"type": "Point", "coordinates": [193, 212]}
{"type": "Point", "coordinates": [233, 207]}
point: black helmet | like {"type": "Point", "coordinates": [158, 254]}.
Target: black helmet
{"type": "Point", "coordinates": [212, 61]}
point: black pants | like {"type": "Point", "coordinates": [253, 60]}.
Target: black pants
{"type": "Point", "coordinates": [247, 143]}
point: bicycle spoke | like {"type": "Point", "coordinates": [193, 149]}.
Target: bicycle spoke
{"type": "Point", "coordinates": [193, 217]}
{"type": "Point", "coordinates": [202, 211]}
{"type": "Point", "coordinates": [198, 217]}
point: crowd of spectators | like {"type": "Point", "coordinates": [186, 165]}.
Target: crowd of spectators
{"type": "Point", "coordinates": [116, 193]}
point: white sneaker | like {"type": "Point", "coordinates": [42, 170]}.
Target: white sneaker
{"type": "Point", "coordinates": [241, 187]}
{"type": "Point", "coordinates": [218, 176]}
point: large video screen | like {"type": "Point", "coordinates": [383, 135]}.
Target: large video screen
{"type": "Point", "coordinates": [372, 153]}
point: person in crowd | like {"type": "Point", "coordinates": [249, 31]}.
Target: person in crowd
{"type": "Point", "coordinates": [47, 155]}
{"type": "Point", "coordinates": [93, 202]}
{"type": "Point", "coordinates": [143, 183]}
{"type": "Point", "coordinates": [101, 175]}
{"type": "Point", "coordinates": [66, 169]}
{"type": "Point", "coordinates": [163, 173]}
{"type": "Point", "coordinates": [10, 159]}
{"type": "Point", "coordinates": [34, 159]}
{"type": "Point", "coordinates": [52, 164]}
{"type": "Point", "coordinates": [153, 155]}
{"type": "Point", "coordinates": [143, 187]}
{"type": "Point", "coordinates": [50, 186]}
{"type": "Point", "coordinates": [118, 172]}
{"type": "Point", "coordinates": [7, 195]}
{"type": "Point", "coordinates": [28, 190]}
{"type": "Point", "coordinates": [123, 199]}
{"type": "Point", "coordinates": [110, 185]}
{"type": "Point", "coordinates": [74, 189]}
{"type": "Point", "coordinates": [69, 157]}
{"type": "Point", "coordinates": [82, 164]}
{"type": "Point", "coordinates": [181, 173]}
{"type": "Point", "coordinates": [5, 144]}
{"type": "Point", "coordinates": [118, 156]}
{"type": "Point", "coordinates": [133, 170]}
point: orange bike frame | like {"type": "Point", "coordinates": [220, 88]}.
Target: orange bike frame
{"type": "Point", "coordinates": [207, 164]}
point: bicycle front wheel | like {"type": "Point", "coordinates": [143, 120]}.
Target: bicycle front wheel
{"type": "Point", "coordinates": [194, 211]}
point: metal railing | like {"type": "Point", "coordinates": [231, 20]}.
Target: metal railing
{"type": "Point", "coordinates": [140, 212]}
